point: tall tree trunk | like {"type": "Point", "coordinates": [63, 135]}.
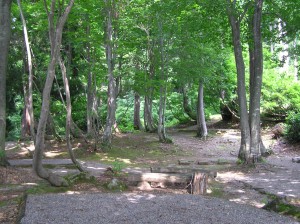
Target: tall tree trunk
{"type": "Point", "coordinates": [256, 71]}
{"type": "Point", "coordinates": [25, 121]}
{"type": "Point", "coordinates": [150, 71]}
{"type": "Point", "coordinates": [29, 101]}
{"type": "Point", "coordinates": [55, 39]}
{"type": "Point", "coordinates": [202, 128]}
{"type": "Point", "coordinates": [90, 95]}
{"type": "Point", "coordinates": [69, 114]}
{"type": "Point", "coordinates": [244, 152]}
{"type": "Point", "coordinates": [136, 114]}
{"type": "Point", "coordinates": [5, 20]}
{"type": "Point", "coordinates": [111, 95]}
{"type": "Point", "coordinates": [161, 130]}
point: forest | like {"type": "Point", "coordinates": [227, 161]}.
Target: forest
{"type": "Point", "coordinates": [91, 69]}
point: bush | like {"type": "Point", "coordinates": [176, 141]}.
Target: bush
{"type": "Point", "coordinates": [293, 127]}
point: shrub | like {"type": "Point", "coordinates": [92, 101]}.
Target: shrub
{"type": "Point", "coordinates": [293, 127]}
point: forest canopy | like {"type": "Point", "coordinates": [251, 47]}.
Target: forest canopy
{"type": "Point", "coordinates": [143, 65]}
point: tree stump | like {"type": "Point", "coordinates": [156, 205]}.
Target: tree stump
{"type": "Point", "coordinates": [199, 183]}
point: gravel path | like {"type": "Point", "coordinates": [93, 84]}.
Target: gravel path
{"type": "Point", "coordinates": [142, 208]}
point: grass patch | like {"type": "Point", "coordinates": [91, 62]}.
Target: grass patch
{"type": "Point", "coordinates": [280, 206]}
{"type": "Point", "coordinates": [216, 190]}
{"type": "Point", "coordinates": [81, 178]}
{"type": "Point", "coordinates": [44, 187]}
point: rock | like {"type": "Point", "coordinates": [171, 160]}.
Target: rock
{"type": "Point", "coordinates": [278, 130]}
{"type": "Point", "coordinates": [296, 160]}
{"type": "Point", "coordinates": [113, 184]}
{"type": "Point", "coordinates": [144, 185]}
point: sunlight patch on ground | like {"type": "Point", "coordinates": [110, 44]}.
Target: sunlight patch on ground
{"type": "Point", "coordinates": [118, 159]}
{"type": "Point", "coordinates": [53, 154]}
{"type": "Point", "coordinates": [245, 200]}
{"type": "Point", "coordinates": [29, 184]}
{"type": "Point", "coordinates": [229, 176]}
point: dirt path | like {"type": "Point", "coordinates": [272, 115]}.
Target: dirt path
{"type": "Point", "coordinates": [278, 175]}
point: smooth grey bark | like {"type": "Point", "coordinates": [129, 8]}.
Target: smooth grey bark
{"type": "Point", "coordinates": [150, 71]}
{"type": "Point", "coordinates": [148, 117]}
{"type": "Point", "coordinates": [256, 71]}
{"type": "Point", "coordinates": [5, 30]}
{"type": "Point", "coordinates": [90, 90]}
{"type": "Point", "coordinates": [137, 125]}
{"type": "Point", "coordinates": [201, 123]}
{"type": "Point", "coordinates": [29, 101]}
{"type": "Point", "coordinates": [55, 35]}
{"type": "Point", "coordinates": [111, 94]}
{"type": "Point", "coordinates": [25, 121]}
{"type": "Point", "coordinates": [69, 114]}
{"type": "Point", "coordinates": [244, 151]}
{"type": "Point", "coordinates": [161, 130]}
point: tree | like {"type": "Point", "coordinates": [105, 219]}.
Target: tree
{"type": "Point", "coordinates": [201, 124]}
{"type": "Point", "coordinates": [55, 36]}
{"type": "Point", "coordinates": [28, 93]}
{"type": "Point", "coordinates": [111, 93]}
{"type": "Point", "coordinates": [69, 113]}
{"type": "Point", "coordinates": [136, 115]}
{"type": "Point", "coordinates": [5, 20]}
{"type": "Point", "coordinates": [250, 124]}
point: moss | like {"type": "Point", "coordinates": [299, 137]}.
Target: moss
{"type": "Point", "coordinates": [215, 189]}
{"type": "Point", "coordinates": [280, 206]}
{"type": "Point", "coordinates": [115, 185]}
{"type": "Point", "coordinates": [44, 187]}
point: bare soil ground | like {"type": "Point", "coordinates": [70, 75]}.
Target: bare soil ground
{"type": "Point", "coordinates": [220, 148]}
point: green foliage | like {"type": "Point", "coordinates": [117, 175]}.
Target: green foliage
{"type": "Point", "coordinates": [44, 187]}
{"type": "Point", "coordinates": [280, 92]}
{"type": "Point", "coordinates": [124, 114]}
{"type": "Point", "coordinates": [80, 178]}
{"type": "Point", "coordinates": [293, 127]}
{"type": "Point", "coordinates": [117, 166]}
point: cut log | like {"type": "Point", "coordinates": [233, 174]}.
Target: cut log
{"type": "Point", "coordinates": [204, 163]}
{"type": "Point", "coordinates": [160, 178]}
{"type": "Point", "coordinates": [199, 183]}
{"type": "Point", "coordinates": [185, 162]}
{"type": "Point", "coordinates": [175, 169]}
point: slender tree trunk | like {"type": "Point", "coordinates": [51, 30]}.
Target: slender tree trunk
{"type": "Point", "coordinates": [74, 129]}
{"type": "Point", "coordinates": [25, 122]}
{"type": "Point", "coordinates": [29, 107]}
{"type": "Point", "coordinates": [256, 81]}
{"type": "Point", "coordinates": [202, 128]}
{"type": "Point", "coordinates": [136, 115]}
{"type": "Point", "coordinates": [111, 101]}
{"type": "Point", "coordinates": [89, 89]}
{"type": "Point", "coordinates": [244, 152]}
{"type": "Point", "coordinates": [69, 114]}
{"type": "Point", "coordinates": [5, 20]}
{"type": "Point", "coordinates": [162, 98]}
{"type": "Point", "coordinates": [55, 39]}
{"type": "Point", "coordinates": [148, 117]}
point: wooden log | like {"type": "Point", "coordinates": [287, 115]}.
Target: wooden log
{"type": "Point", "coordinates": [159, 178]}
{"type": "Point", "coordinates": [175, 169]}
{"type": "Point", "coordinates": [199, 183]}
{"type": "Point", "coordinates": [185, 162]}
